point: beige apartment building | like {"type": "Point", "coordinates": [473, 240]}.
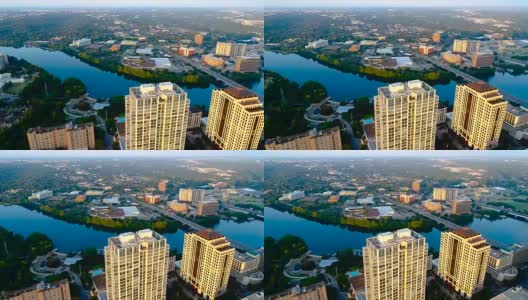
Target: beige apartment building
{"type": "Point", "coordinates": [68, 137]}
{"type": "Point", "coordinates": [156, 117]}
{"type": "Point", "coordinates": [195, 118]}
{"type": "Point", "coordinates": [206, 262]}
{"type": "Point", "coordinates": [516, 116]}
{"type": "Point", "coordinates": [395, 266]}
{"type": "Point", "coordinates": [326, 139]}
{"type": "Point", "coordinates": [444, 194]}
{"type": "Point", "coordinates": [236, 119]}
{"type": "Point", "coordinates": [405, 116]}
{"type": "Point", "coordinates": [230, 49]}
{"type": "Point", "coordinates": [463, 259]}
{"type": "Point", "coordinates": [461, 206]}
{"type": "Point", "coordinates": [207, 208]}
{"type": "Point", "coordinates": [59, 290]}
{"type": "Point", "coordinates": [136, 266]}
{"type": "Point", "coordinates": [478, 114]}
{"type": "Point", "coordinates": [191, 195]}
{"type": "Point", "coordinates": [312, 292]}
{"type": "Point", "coordinates": [247, 64]}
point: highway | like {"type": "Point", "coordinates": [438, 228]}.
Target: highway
{"type": "Point", "coordinates": [469, 78]}
{"type": "Point", "coordinates": [214, 74]}
{"type": "Point", "coordinates": [444, 222]}
{"type": "Point", "coordinates": [196, 226]}
{"type": "Point", "coordinates": [505, 211]}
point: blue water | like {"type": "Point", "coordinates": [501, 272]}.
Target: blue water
{"type": "Point", "coordinates": [327, 239]}
{"type": "Point", "coordinates": [24, 222]}
{"type": "Point", "coordinates": [343, 86]}
{"type": "Point", "coordinates": [100, 84]}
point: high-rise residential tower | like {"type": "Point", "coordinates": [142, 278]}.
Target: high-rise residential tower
{"type": "Point", "coordinates": [395, 266]}
{"type": "Point", "coordinates": [156, 117]}
{"type": "Point", "coordinates": [444, 194]}
{"type": "Point", "coordinates": [478, 114]}
{"type": "Point", "coordinates": [236, 119]}
{"type": "Point", "coordinates": [405, 116]}
{"type": "Point", "coordinates": [463, 259]}
{"type": "Point", "coordinates": [136, 266]}
{"type": "Point", "coordinates": [206, 262]}
{"type": "Point", "coordinates": [191, 195]}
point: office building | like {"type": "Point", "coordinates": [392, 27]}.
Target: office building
{"type": "Point", "coordinates": [516, 116]}
{"type": "Point", "coordinates": [325, 139]}
{"type": "Point", "coordinates": [191, 195]}
{"type": "Point", "coordinates": [482, 59]}
{"type": "Point", "coordinates": [437, 37]}
{"type": "Point", "coordinates": [236, 119]}
{"type": "Point", "coordinates": [405, 116]}
{"type": "Point", "coordinates": [452, 58]}
{"type": "Point", "coordinates": [198, 39]}
{"type": "Point", "coordinates": [66, 137]}
{"type": "Point", "coordinates": [162, 185]}
{"type": "Point", "coordinates": [152, 199]}
{"type": "Point", "coordinates": [238, 50]}
{"type": "Point", "coordinates": [44, 194]}
{"type": "Point", "coordinates": [460, 206]}
{"type": "Point", "coordinates": [463, 259]}
{"type": "Point", "coordinates": [478, 114]}
{"type": "Point", "coordinates": [426, 50]}
{"type": "Point", "coordinates": [245, 262]}
{"type": "Point", "coordinates": [441, 115]}
{"type": "Point", "coordinates": [407, 199]}
{"type": "Point", "coordinates": [395, 266]}
{"type": "Point", "coordinates": [207, 208]}
{"type": "Point", "coordinates": [186, 51]}
{"type": "Point", "coordinates": [416, 185]}
{"type": "Point", "coordinates": [195, 118]}
{"type": "Point", "coordinates": [206, 262]}
{"type": "Point", "coordinates": [136, 266]}
{"type": "Point", "coordinates": [315, 291]}
{"type": "Point", "coordinates": [444, 194]}
{"type": "Point", "coordinates": [247, 64]}
{"type": "Point", "coordinates": [465, 46]}
{"type": "Point", "coordinates": [213, 61]}
{"type": "Point", "coordinates": [156, 117]}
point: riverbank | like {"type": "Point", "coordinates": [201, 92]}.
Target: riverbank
{"type": "Point", "coordinates": [419, 224]}
{"type": "Point", "coordinates": [160, 225]}
{"type": "Point", "coordinates": [191, 79]}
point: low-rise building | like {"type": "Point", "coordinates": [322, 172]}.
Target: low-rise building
{"type": "Point", "coordinates": [516, 116]}
{"type": "Point", "coordinates": [81, 43]}
{"type": "Point", "coordinates": [213, 61]}
{"type": "Point", "coordinates": [326, 139]}
{"type": "Point", "coordinates": [59, 290]}
{"type": "Point", "coordinates": [432, 206]}
{"type": "Point", "coordinates": [315, 291]}
{"type": "Point", "coordinates": [68, 137]}
{"type": "Point", "coordinates": [515, 293]}
{"type": "Point", "coordinates": [407, 199]}
{"type": "Point", "coordinates": [317, 44]}
{"type": "Point", "coordinates": [152, 199]}
{"type": "Point", "coordinates": [177, 207]}
{"type": "Point", "coordinates": [426, 50]}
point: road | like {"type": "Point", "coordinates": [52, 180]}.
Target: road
{"type": "Point", "coordinates": [77, 281]}
{"type": "Point", "coordinates": [469, 78]}
{"type": "Point", "coordinates": [214, 74]}
{"type": "Point", "coordinates": [506, 211]}
{"type": "Point", "coordinates": [196, 226]}
{"type": "Point", "coordinates": [242, 210]}
{"type": "Point", "coordinates": [444, 222]}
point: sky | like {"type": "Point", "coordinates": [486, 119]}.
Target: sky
{"type": "Point", "coordinates": [133, 3]}
{"type": "Point", "coordinates": [396, 3]}
{"type": "Point", "coordinates": [260, 155]}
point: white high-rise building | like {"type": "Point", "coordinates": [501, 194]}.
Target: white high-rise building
{"type": "Point", "coordinates": [405, 116]}
{"type": "Point", "coordinates": [136, 266]}
{"type": "Point", "coordinates": [156, 117]}
{"type": "Point", "coordinates": [395, 266]}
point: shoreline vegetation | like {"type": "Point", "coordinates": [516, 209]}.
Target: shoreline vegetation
{"type": "Point", "coordinates": [188, 79]}
{"type": "Point", "coordinates": [45, 96]}
{"type": "Point", "coordinates": [433, 76]}
{"type": "Point", "coordinates": [159, 225]}
{"type": "Point", "coordinates": [418, 224]}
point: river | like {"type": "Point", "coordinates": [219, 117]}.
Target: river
{"type": "Point", "coordinates": [342, 86]}
{"type": "Point", "coordinates": [69, 237]}
{"type": "Point", "coordinates": [327, 239]}
{"type": "Point", "coordinates": [99, 83]}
